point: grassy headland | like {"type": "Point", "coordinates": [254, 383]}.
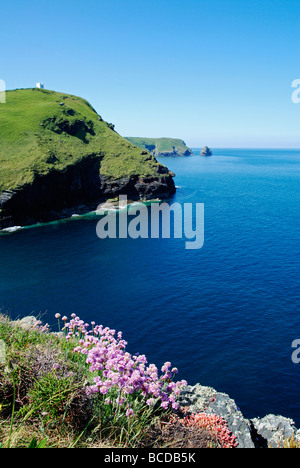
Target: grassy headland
{"type": "Point", "coordinates": [42, 130]}
{"type": "Point", "coordinates": [57, 153]}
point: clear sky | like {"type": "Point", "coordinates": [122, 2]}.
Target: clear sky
{"type": "Point", "coordinates": [212, 72]}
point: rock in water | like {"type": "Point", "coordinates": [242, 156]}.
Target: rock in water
{"type": "Point", "coordinates": [206, 151]}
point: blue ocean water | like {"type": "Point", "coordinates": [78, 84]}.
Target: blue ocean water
{"type": "Point", "coordinates": [225, 315]}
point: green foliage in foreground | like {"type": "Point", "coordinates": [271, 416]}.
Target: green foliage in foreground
{"type": "Point", "coordinates": [43, 130]}
{"type": "Point", "coordinates": [43, 400]}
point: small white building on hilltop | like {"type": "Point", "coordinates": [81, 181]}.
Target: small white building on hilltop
{"type": "Point", "coordinates": [40, 85]}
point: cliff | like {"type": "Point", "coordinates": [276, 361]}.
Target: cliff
{"type": "Point", "coordinates": [162, 146]}
{"type": "Point", "coordinates": [58, 155]}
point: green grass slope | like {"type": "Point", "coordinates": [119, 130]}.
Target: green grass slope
{"type": "Point", "coordinates": [161, 146]}
{"type": "Point", "coordinates": [42, 131]}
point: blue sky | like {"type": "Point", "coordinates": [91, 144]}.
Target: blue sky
{"type": "Point", "coordinates": [212, 72]}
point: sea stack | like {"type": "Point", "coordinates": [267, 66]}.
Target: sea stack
{"type": "Point", "coordinates": [206, 151]}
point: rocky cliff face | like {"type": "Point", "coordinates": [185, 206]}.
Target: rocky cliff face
{"type": "Point", "coordinates": [172, 152]}
{"type": "Point", "coordinates": [79, 187]}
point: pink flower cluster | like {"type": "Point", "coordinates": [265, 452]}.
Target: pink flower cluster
{"type": "Point", "coordinates": [120, 373]}
{"type": "Point", "coordinates": [215, 425]}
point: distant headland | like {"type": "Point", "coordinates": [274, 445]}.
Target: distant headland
{"type": "Point", "coordinates": [161, 146]}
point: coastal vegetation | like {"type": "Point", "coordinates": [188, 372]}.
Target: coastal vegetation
{"type": "Point", "coordinates": [81, 388]}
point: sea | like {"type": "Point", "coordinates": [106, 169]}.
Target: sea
{"type": "Point", "coordinates": [226, 315]}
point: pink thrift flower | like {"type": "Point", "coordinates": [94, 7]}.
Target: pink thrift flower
{"type": "Point", "coordinates": [165, 405]}
{"type": "Point", "coordinates": [166, 367]}
{"type": "Point", "coordinates": [129, 412]}
{"type": "Point", "coordinates": [150, 402]}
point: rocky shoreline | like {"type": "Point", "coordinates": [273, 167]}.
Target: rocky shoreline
{"type": "Point", "coordinates": [59, 195]}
